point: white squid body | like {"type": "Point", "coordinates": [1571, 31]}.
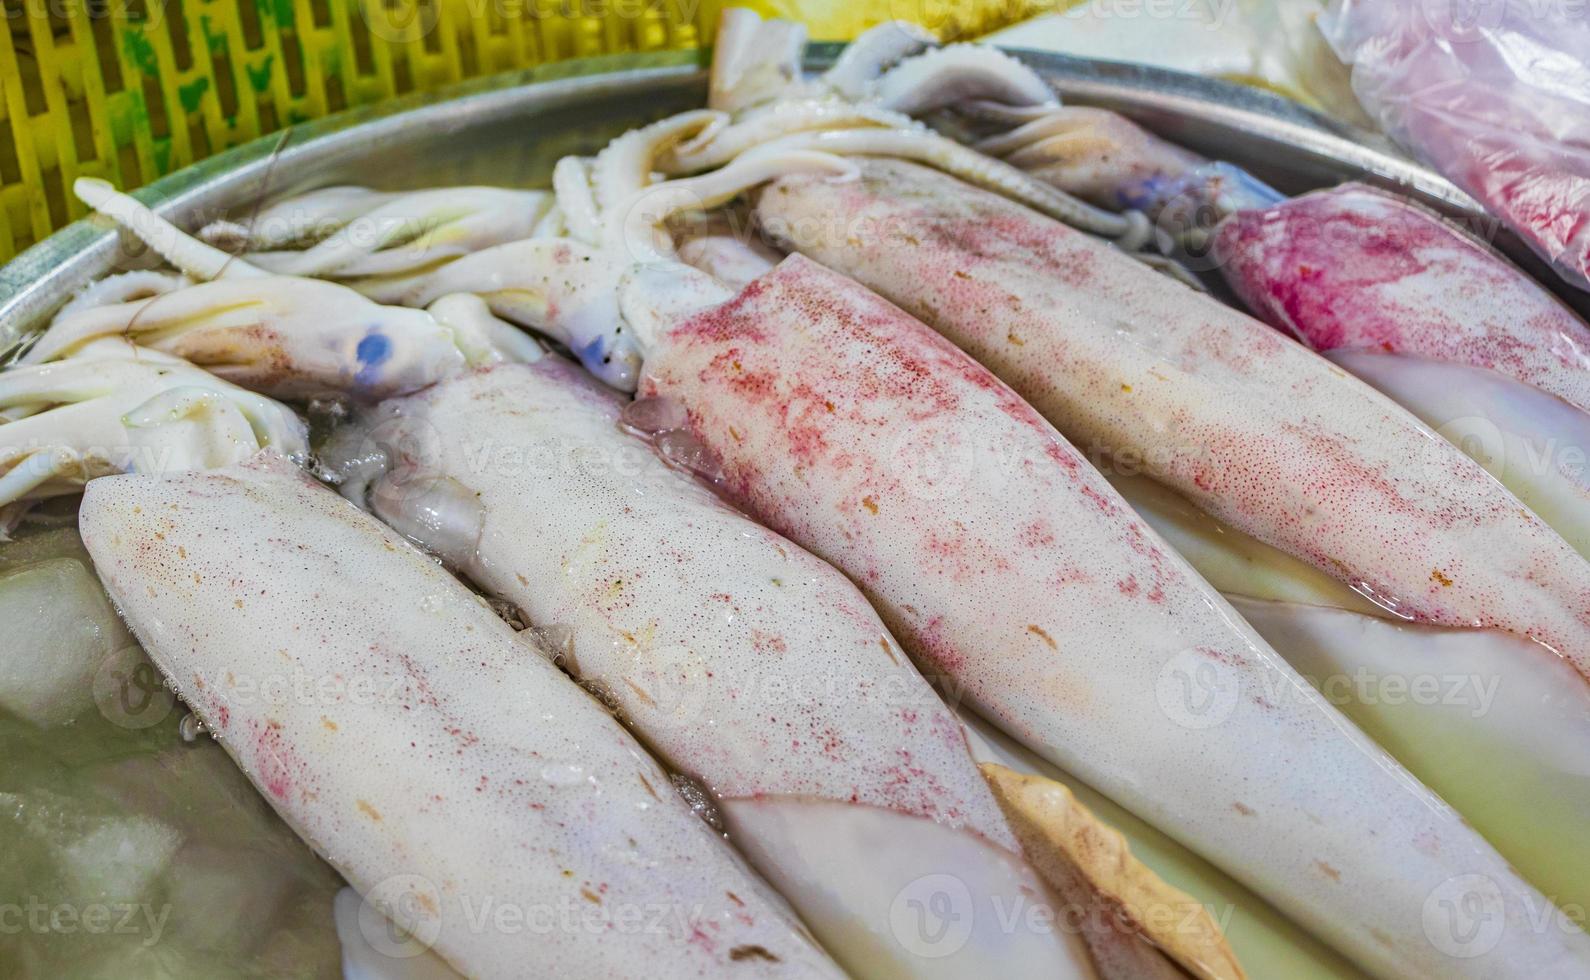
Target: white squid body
{"type": "Point", "coordinates": [1435, 320]}
{"type": "Point", "coordinates": [1006, 564]}
{"type": "Point", "coordinates": [444, 766]}
{"type": "Point", "coordinates": [1257, 431]}
{"type": "Point", "coordinates": [1500, 732]}
{"type": "Point", "coordinates": [747, 663]}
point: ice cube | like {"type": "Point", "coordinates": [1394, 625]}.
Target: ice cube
{"type": "Point", "coordinates": [118, 859]}
{"type": "Point", "coordinates": [59, 629]}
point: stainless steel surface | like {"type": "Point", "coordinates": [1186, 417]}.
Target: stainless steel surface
{"type": "Point", "coordinates": [510, 129]}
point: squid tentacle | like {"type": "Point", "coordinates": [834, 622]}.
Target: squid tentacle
{"type": "Point", "coordinates": [766, 123]}
{"type": "Point", "coordinates": [1131, 232]}
{"type": "Point", "coordinates": [298, 220]}
{"type": "Point", "coordinates": [874, 52]}
{"type": "Point", "coordinates": [187, 253]}
{"type": "Point", "coordinates": [571, 184]}
{"type": "Point", "coordinates": [625, 165]}
{"type": "Point", "coordinates": [110, 412]}
{"type": "Point", "coordinates": [411, 230]}
{"type": "Point", "coordinates": [949, 75]}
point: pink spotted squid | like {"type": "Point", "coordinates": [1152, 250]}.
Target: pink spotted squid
{"type": "Point", "coordinates": [1004, 563]}
{"type": "Point", "coordinates": [1261, 440]}
{"type": "Point", "coordinates": [1009, 569]}
{"type": "Point", "coordinates": [758, 672]}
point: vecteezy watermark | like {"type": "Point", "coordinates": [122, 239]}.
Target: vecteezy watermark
{"type": "Point", "coordinates": [42, 918]}
{"type": "Point", "coordinates": [952, 20]}
{"type": "Point", "coordinates": [403, 915]}
{"type": "Point", "coordinates": [1211, 15]}
{"type": "Point", "coordinates": [146, 12]}
{"type": "Point", "coordinates": [933, 916]}
{"type": "Point", "coordinates": [1199, 688]}
{"type": "Point", "coordinates": [1467, 916]}
{"type": "Point", "coordinates": [936, 915]}
{"type": "Point", "coordinates": [130, 692]}
{"type": "Point", "coordinates": [1509, 454]}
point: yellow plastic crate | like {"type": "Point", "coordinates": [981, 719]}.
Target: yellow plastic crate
{"type": "Point", "coordinates": [129, 90]}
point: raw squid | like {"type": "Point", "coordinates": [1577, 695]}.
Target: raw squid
{"type": "Point", "coordinates": [1416, 285]}
{"type": "Point", "coordinates": [115, 409]}
{"type": "Point", "coordinates": [1445, 327]}
{"type": "Point", "coordinates": [1356, 269]}
{"type": "Point", "coordinates": [1257, 431]}
{"type": "Point", "coordinates": [748, 664]}
{"type": "Point", "coordinates": [441, 764]}
{"type": "Point", "coordinates": [820, 406]}
{"type": "Point", "coordinates": [1501, 733]}
{"type": "Point", "coordinates": [1106, 713]}
{"type": "Point", "coordinates": [1007, 566]}
{"type": "Point", "coordinates": [290, 336]}
{"type": "Point", "coordinates": [703, 629]}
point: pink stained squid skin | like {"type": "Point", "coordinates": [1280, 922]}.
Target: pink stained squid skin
{"type": "Point", "coordinates": [1258, 431]}
{"type": "Point", "coordinates": [1356, 268]}
{"type": "Point", "coordinates": [658, 579]}
{"type": "Point", "coordinates": [400, 727]}
{"type": "Point", "coordinates": [1009, 567]}
{"type": "Point", "coordinates": [744, 661]}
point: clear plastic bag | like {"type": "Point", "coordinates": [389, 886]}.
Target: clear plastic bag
{"type": "Point", "coordinates": [1495, 94]}
{"type": "Point", "coordinates": [1269, 43]}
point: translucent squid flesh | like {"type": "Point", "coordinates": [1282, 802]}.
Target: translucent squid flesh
{"type": "Point", "coordinates": [446, 768]}
{"type": "Point", "coordinates": [745, 662]}
{"type": "Point", "coordinates": [1534, 442]}
{"type": "Point", "coordinates": [1259, 432]}
{"type": "Point", "coordinates": [1011, 570]}
{"type": "Point", "coordinates": [1502, 735]}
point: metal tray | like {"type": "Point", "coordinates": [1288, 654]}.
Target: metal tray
{"type": "Point", "coordinates": [511, 128]}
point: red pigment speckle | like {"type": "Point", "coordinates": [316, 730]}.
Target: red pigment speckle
{"type": "Point", "coordinates": [700, 938]}
{"type": "Point", "coordinates": [1356, 268]}
{"type": "Point", "coordinates": [276, 765]}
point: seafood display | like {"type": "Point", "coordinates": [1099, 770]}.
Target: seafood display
{"type": "Point", "coordinates": [824, 534]}
{"type": "Point", "coordinates": [1478, 351]}
{"type": "Point", "coordinates": [889, 761]}
{"type": "Point", "coordinates": [703, 630]}
{"type": "Point", "coordinates": [478, 772]}
{"type": "Point", "coordinates": [1386, 288]}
